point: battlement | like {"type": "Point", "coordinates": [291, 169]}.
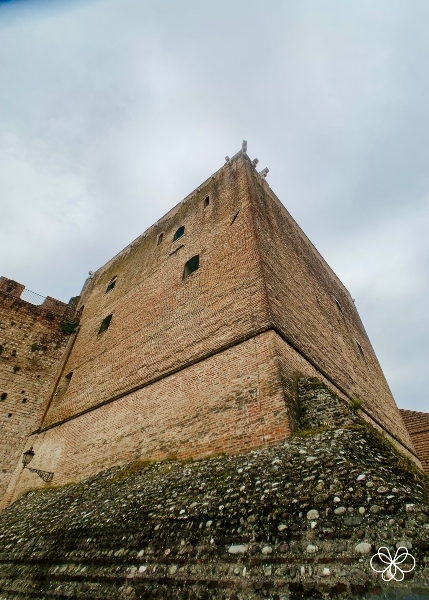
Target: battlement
{"type": "Point", "coordinates": [11, 289]}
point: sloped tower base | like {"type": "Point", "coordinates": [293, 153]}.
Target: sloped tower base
{"type": "Point", "coordinates": [300, 519]}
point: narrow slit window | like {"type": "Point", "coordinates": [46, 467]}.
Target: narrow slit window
{"type": "Point", "coordinates": [105, 323]}
{"type": "Point", "coordinates": [234, 217]}
{"type": "Point", "coordinates": [179, 233]}
{"type": "Point", "coordinates": [340, 308]}
{"type": "Point", "coordinates": [161, 235]}
{"type": "Point", "coordinates": [191, 265]}
{"type": "Point", "coordinates": [206, 201]}
{"type": "Point", "coordinates": [360, 349]}
{"type": "Point", "coordinates": [111, 285]}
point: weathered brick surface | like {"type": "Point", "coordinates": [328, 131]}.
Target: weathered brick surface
{"type": "Point", "coordinates": [161, 322]}
{"type": "Point", "coordinates": [417, 424]}
{"type": "Point", "coordinates": [32, 345]}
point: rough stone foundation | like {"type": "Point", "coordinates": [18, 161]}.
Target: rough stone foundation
{"type": "Point", "coordinates": [299, 519]}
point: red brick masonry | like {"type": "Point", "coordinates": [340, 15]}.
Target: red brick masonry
{"type": "Point", "coordinates": [417, 424]}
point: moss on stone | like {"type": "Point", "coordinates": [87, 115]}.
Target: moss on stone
{"type": "Point", "coordinates": [355, 404]}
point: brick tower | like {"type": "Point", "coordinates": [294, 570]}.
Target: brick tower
{"type": "Point", "coordinates": [192, 338]}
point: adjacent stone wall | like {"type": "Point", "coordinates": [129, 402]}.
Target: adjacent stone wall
{"type": "Point", "coordinates": [31, 347]}
{"type": "Point", "coordinates": [417, 424]}
{"type": "Point", "coordinates": [320, 407]}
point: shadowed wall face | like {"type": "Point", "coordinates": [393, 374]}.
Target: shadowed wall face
{"type": "Point", "coordinates": [313, 311]}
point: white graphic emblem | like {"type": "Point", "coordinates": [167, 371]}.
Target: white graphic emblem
{"type": "Point", "coordinates": [392, 570]}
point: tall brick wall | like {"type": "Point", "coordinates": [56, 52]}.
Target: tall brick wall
{"type": "Point", "coordinates": [31, 347]}
{"type": "Point", "coordinates": [417, 424]}
{"type": "Point", "coordinates": [314, 312]}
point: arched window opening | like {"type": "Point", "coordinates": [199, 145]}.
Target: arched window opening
{"type": "Point", "coordinates": [206, 201]}
{"type": "Point", "coordinates": [161, 235]}
{"type": "Point", "coordinates": [111, 285]}
{"type": "Point", "coordinates": [105, 324]}
{"type": "Point", "coordinates": [191, 265]}
{"type": "Point", "coordinates": [179, 233]}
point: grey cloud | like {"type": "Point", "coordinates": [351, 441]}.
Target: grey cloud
{"type": "Point", "coordinates": [111, 112]}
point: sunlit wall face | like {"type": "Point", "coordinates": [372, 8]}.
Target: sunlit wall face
{"type": "Point", "coordinates": [112, 111]}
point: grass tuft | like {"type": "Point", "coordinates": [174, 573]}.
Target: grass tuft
{"type": "Point", "coordinates": [305, 432]}
{"type": "Point", "coordinates": [355, 404]}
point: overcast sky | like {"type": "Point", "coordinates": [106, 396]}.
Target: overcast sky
{"type": "Point", "coordinates": [112, 111]}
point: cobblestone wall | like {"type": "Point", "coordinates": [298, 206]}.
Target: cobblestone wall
{"type": "Point", "coordinates": [300, 519]}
